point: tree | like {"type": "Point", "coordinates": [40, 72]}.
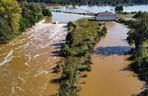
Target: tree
{"type": "Point", "coordinates": [104, 31]}
{"type": "Point", "coordinates": [5, 32]}
{"type": "Point", "coordinates": [139, 31]}
{"type": "Point", "coordinates": [119, 9]}
{"type": "Point", "coordinates": [31, 13]}
{"type": "Point", "coordinates": [71, 26]}
{"type": "Point", "coordinates": [91, 2]}
{"type": "Point", "coordinates": [46, 12]}
{"type": "Point", "coordinates": [139, 14]}
{"type": "Point", "coordinates": [11, 12]}
{"type": "Point", "coordinates": [70, 38]}
{"type": "Point", "coordinates": [65, 51]}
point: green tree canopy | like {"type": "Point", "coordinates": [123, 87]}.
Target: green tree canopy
{"type": "Point", "coordinates": [46, 12]}
{"type": "Point", "coordinates": [10, 13]}
{"type": "Point", "coordinates": [119, 8]}
{"type": "Point", "coordinates": [139, 31]}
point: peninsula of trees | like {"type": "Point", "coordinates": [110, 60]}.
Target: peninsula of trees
{"type": "Point", "coordinates": [83, 35]}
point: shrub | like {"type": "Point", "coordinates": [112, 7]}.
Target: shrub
{"type": "Point", "coordinates": [119, 9]}
{"type": "Point", "coordinates": [85, 68]}
{"type": "Point", "coordinates": [46, 12]}
{"type": "Point", "coordinates": [104, 31]}
{"type": "Point", "coordinates": [70, 26]}
{"type": "Point", "coordinates": [65, 51]}
{"type": "Point", "coordinates": [88, 62]}
{"type": "Point", "coordinates": [5, 32]}
{"type": "Point", "coordinates": [69, 72]}
{"type": "Point", "coordinates": [70, 38]}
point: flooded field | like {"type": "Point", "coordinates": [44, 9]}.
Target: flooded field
{"type": "Point", "coordinates": [63, 17]}
{"type": "Point", "coordinates": [108, 77]}
{"type": "Point", "coordinates": [25, 63]}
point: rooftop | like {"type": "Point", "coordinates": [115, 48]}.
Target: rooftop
{"type": "Point", "coordinates": [105, 14]}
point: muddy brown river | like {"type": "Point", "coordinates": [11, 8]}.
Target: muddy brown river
{"type": "Point", "coordinates": [25, 63]}
{"type": "Point", "coordinates": [108, 77]}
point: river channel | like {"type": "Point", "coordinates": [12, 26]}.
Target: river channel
{"type": "Point", "coordinates": [109, 77]}
{"type": "Point", "coordinates": [26, 62]}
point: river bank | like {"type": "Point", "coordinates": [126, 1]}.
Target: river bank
{"type": "Point", "coordinates": [26, 61]}
{"type": "Point", "coordinates": [108, 77]}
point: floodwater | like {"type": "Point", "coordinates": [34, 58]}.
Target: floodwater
{"type": "Point", "coordinates": [96, 9]}
{"type": "Point", "coordinates": [108, 77]}
{"type": "Point", "coordinates": [25, 63]}
{"type": "Point", "coordinates": [64, 17]}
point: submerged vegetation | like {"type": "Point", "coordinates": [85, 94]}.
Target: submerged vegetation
{"type": "Point", "coordinates": [16, 17]}
{"type": "Point", "coordinates": [139, 37]}
{"type": "Point", "coordinates": [82, 37]}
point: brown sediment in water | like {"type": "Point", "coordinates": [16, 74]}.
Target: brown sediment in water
{"type": "Point", "coordinates": [25, 63]}
{"type": "Point", "coordinates": [108, 77]}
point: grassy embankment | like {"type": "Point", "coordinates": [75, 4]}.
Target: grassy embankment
{"type": "Point", "coordinates": [83, 35]}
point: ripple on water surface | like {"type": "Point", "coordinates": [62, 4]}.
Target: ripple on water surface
{"type": "Point", "coordinates": [26, 61]}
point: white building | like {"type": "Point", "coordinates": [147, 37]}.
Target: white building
{"type": "Point", "coordinates": [105, 16]}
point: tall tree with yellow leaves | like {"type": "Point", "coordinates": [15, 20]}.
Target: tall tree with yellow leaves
{"type": "Point", "coordinates": [11, 12]}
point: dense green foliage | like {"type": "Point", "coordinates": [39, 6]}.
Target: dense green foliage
{"type": "Point", "coordinates": [119, 9]}
{"type": "Point", "coordinates": [70, 26]}
{"type": "Point", "coordinates": [15, 18]}
{"type": "Point", "coordinates": [31, 13]}
{"type": "Point", "coordinates": [46, 12]}
{"type": "Point", "coordinates": [80, 42]}
{"type": "Point", "coordinates": [139, 37]}
{"type": "Point", "coordinates": [10, 14]}
{"type": "Point", "coordinates": [92, 2]}
{"type": "Point", "coordinates": [5, 32]}
{"type": "Point", "coordinates": [138, 15]}
{"type": "Point", "coordinates": [103, 31]}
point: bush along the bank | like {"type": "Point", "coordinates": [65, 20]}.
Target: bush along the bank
{"type": "Point", "coordinates": [82, 37]}
{"type": "Point", "coordinates": [32, 13]}
{"type": "Point", "coordinates": [16, 18]}
{"type": "Point", "coordinates": [46, 12]}
{"type": "Point", "coordinates": [138, 36]}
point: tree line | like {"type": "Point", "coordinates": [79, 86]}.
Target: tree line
{"type": "Point", "coordinates": [138, 35]}
{"type": "Point", "coordinates": [92, 2]}
{"type": "Point", "coordinates": [16, 17]}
